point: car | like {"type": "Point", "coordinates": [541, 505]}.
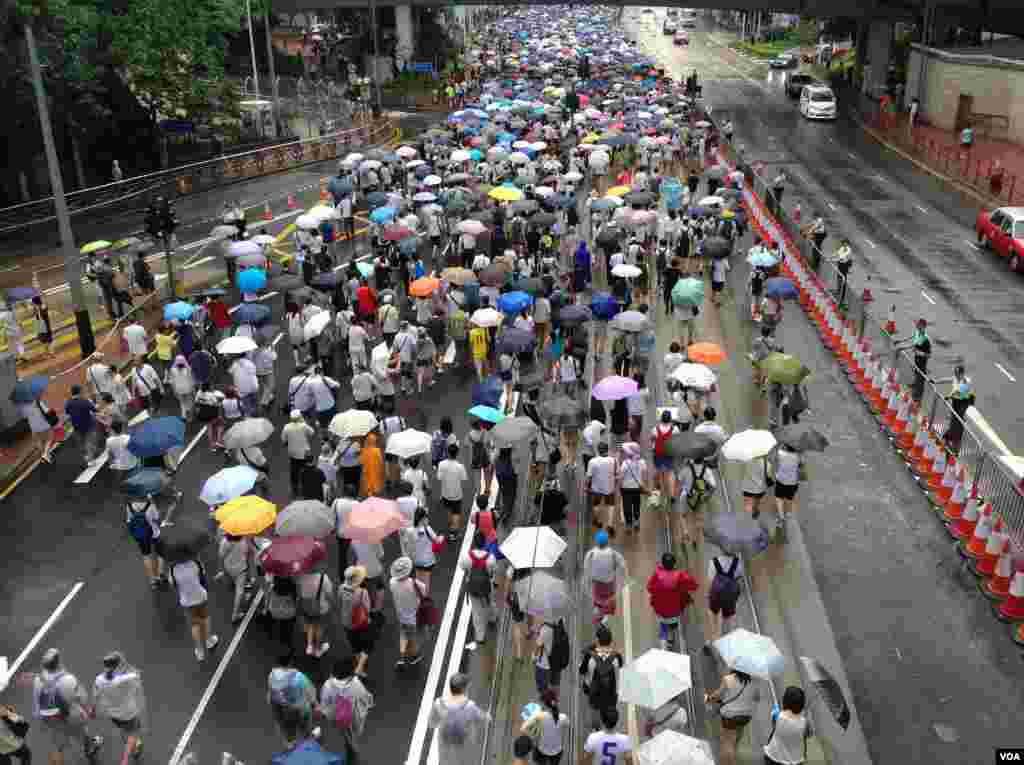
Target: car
{"type": "Point", "coordinates": [669, 28]}
{"type": "Point", "coordinates": [681, 38]}
{"type": "Point", "coordinates": [817, 102]}
{"type": "Point", "coordinates": [783, 61]}
{"type": "Point", "coordinates": [672, 13]}
{"type": "Point", "coordinates": [1003, 231]}
{"type": "Point", "coordinates": [796, 81]}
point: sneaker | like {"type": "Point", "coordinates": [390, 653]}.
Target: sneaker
{"type": "Point", "coordinates": [400, 663]}
{"type": "Point", "coordinates": [211, 642]}
{"type": "Point", "coordinates": [324, 648]}
{"type": "Point", "coordinates": [413, 660]}
{"type": "Point", "coordinates": [317, 732]}
{"type": "Point", "coordinates": [200, 654]}
{"type": "Point", "coordinates": [471, 646]}
{"type": "Point", "coordinates": [154, 584]}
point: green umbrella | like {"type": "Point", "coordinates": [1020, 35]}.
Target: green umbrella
{"type": "Point", "coordinates": [783, 368]}
{"type": "Point", "coordinates": [688, 292]}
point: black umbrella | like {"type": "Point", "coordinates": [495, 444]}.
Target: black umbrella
{"type": "Point", "coordinates": [183, 541]}
{"type": "Point", "coordinates": [639, 198]}
{"type": "Point", "coordinates": [737, 534]}
{"type": "Point", "coordinates": [563, 411]}
{"type": "Point", "coordinates": [802, 438]}
{"type": "Point", "coordinates": [543, 219]}
{"type": "Point", "coordinates": [717, 247]}
{"type": "Point", "coordinates": [609, 235]}
{"type": "Point", "coordinates": [829, 690]}
{"type": "Point", "coordinates": [525, 206]}
{"type": "Point", "coordinates": [574, 314]}
{"type": "Point", "coordinates": [690, 445]}
{"type": "Point", "coordinates": [514, 340]}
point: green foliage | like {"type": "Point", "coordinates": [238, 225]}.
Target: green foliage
{"type": "Point", "coordinates": [807, 31]}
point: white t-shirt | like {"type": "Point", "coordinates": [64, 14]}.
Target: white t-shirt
{"type": "Point", "coordinates": [135, 336]}
{"type": "Point", "coordinates": [120, 457]}
{"type": "Point", "coordinates": [452, 474]}
{"type": "Point", "coordinates": [712, 430]}
{"type": "Point", "coordinates": [357, 338]}
{"type": "Point", "coordinates": [550, 740]}
{"type": "Point", "coordinates": [608, 748]}
{"type": "Point", "coordinates": [186, 581]}
{"type": "Point", "coordinates": [601, 475]}
{"type": "Point", "coordinates": [632, 473]}
{"type": "Point", "coordinates": [243, 372]}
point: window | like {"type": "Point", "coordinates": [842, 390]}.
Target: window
{"type": "Point", "coordinates": [1018, 229]}
{"type": "Point", "coordinates": [822, 97]}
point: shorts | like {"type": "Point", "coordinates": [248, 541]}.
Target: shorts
{"type": "Point", "coordinates": [717, 286]}
{"type": "Point", "coordinates": [314, 619]}
{"type": "Point", "coordinates": [425, 567]}
{"type": "Point", "coordinates": [62, 731]}
{"type": "Point", "coordinates": [716, 605]}
{"type": "Point", "coordinates": [127, 726]}
{"type": "Point", "coordinates": [663, 464]}
{"type": "Point", "coordinates": [454, 506]}
{"type": "Point", "coordinates": [506, 377]}
{"type": "Point", "coordinates": [408, 631]}
{"type": "Point", "coordinates": [197, 613]}
{"type": "Point", "coordinates": [424, 363]}
{"type": "Point", "coordinates": [436, 240]}
{"type": "Point", "coordinates": [145, 545]}
{"type": "Point", "coordinates": [407, 368]}
{"type": "Point", "coordinates": [785, 491]}
{"type": "Point", "coordinates": [753, 494]}
{"type": "Point", "coordinates": [602, 499]}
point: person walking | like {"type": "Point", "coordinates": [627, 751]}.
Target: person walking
{"type": "Point", "coordinates": [347, 702]}
{"type": "Point", "coordinates": [787, 743]}
{"type": "Point", "coordinates": [607, 746]}
{"type": "Point", "coordinates": [406, 593]}
{"type": "Point", "coordinates": [723, 580]}
{"type": "Point", "coordinates": [756, 478]}
{"type": "Point", "coordinates": [604, 568]}
{"type": "Point", "coordinates": [547, 728]}
{"type": "Point", "coordinates": [209, 410]}
{"type": "Point", "coordinates": [189, 579]}
{"type": "Point", "coordinates": [316, 592]}
{"type": "Point", "coordinates": [421, 543]}
{"type": "Point", "coordinates": [13, 729]}
{"type": "Point", "coordinates": [183, 385]}
{"type": "Point", "coordinates": [237, 560]}
{"type": "Point", "coordinates": [291, 696]}
{"type": "Point", "coordinates": [479, 565]}
{"type": "Point", "coordinates": [282, 608]}
{"type": "Point", "coordinates": [148, 387]}
{"type": "Point", "coordinates": [355, 609]}
{"type": "Point", "coordinates": [60, 704]}
{"type": "Point", "coordinates": [459, 723]}
{"type": "Point", "coordinates": [297, 436]}
{"type": "Point", "coordinates": [600, 473]}
{"type": "Point", "coordinates": [247, 382]}
{"type": "Point", "coordinates": [264, 359]}
{"type": "Point", "coordinates": [452, 476]}
{"type": "Point", "coordinates": [118, 696]}
{"type": "Point", "coordinates": [633, 485]}
{"type": "Point", "coordinates": [789, 468]}
{"type": "Point", "coordinates": [736, 698]}
{"type": "Point", "coordinates": [82, 414]}
{"type": "Point", "coordinates": [670, 591]}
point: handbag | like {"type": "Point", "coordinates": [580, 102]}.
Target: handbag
{"type": "Point", "coordinates": [360, 616]}
{"type": "Point", "coordinates": [437, 545]}
{"type": "Point", "coordinates": [51, 417]}
{"type": "Point", "coordinates": [427, 613]}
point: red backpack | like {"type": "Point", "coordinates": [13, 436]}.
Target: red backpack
{"type": "Point", "coordinates": [661, 439]}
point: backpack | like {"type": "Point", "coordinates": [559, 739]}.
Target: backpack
{"type": "Point", "coordinates": [455, 730]}
{"type": "Point", "coordinates": [604, 693]}
{"type": "Point", "coordinates": [560, 653]}
{"type": "Point", "coordinates": [479, 582]}
{"type": "Point", "coordinates": [290, 693]}
{"type": "Point", "coordinates": [725, 587]}
{"type": "Point", "coordinates": [661, 440]}
{"type": "Point", "coordinates": [138, 526]}
{"type": "Point", "coordinates": [312, 606]}
{"type": "Point", "coordinates": [207, 412]}
{"type": "Point", "coordinates": [702, 488]}
{"type": "Point", "coordinates": [344, 711]}
{"type": "Point", "coordinates": [280, 606]}
{"type": "Point", "coordinates": [438, 448]}
{"type": "Point", "coordinates": [50, 702]}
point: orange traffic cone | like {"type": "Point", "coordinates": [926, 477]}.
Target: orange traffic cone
{"type": "Point", "coordinates": [1012, 609]}
{"type": "Point", "coordinates": [975, 548]}
{"type": "Point", "coordinates": [922, 468]}
{"type": "Point", "coordinates": [267, 215]}
{"type": "Point", "coordinates": [890, 325]}
{"type": "Point", "coordinates": [954, 507]}
{"type": "Point", "coordinates": [985, 566]}
{"type": "Point", "coordinates": [998, 586]}
{"type": "Point", "coordinates": [938, 470]}
{"type": "Point", "coordinates": [963, 529]}
{"type": "Point", "coordinates": [949, 479]}
{"type": "Point", "coordinates": [903, 417]}
{"type": "Point", "coordinates": [324, 194]}
{"type": "Point", "coordinates": [917, 449]}
{"type": "Point", "coordinates": [906, 439]}
{"type": "Point", "coordinates": [292, 204]}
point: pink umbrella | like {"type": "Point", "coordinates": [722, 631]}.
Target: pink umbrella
{"type": "Point", "coordinates": [614, 387]}
{"type": "Point", "coordinates": [374, 519]}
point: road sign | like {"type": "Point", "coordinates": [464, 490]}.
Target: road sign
{"type": "Point", "coordinates": [423, 66]}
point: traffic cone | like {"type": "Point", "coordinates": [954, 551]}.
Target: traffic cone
{"type": "Point", "coordinates": [890, 325]}
{"type": "Point", "coordinates": [997, 587]}
{"type": "Point", "coordinates": [975, 548]}
{"type": "Point", "coordinates": [1017, 635]}
{"type": "Point", "coordinates": [292, 204]}
{"type": "Point", "coordinates": [949, 479]}
{"type": "Point", "coordinates": [892, 409]}
{"type": "Point", "coordinates": [954, 507]}
{"type": "Point", "coordinates": [903, 416]}
{"type": "Point", "coordinates": [865, 383]}
{"type": "Point", "coordinates": [938, 470]}
{"type": "Point", "coordinates": [912, 441]}
{"type": "Point", "coordinates": [963, 529]}
{"type": "Point", "coordinates": [267, 215]}
{"type": "Point", "coordinates": [1012, 609]}
{"type": "Point", "coordinates": [985, 566]}
{"type": "Point", "coordinates": [922, 468]}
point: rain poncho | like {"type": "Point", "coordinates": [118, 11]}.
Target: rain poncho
{"type": "Point", "coordinates": [118, 694]}
{"type": "Point", "coordinates": [581, 268]}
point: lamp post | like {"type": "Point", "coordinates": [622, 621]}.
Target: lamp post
{"type": "Point", "coordinates": [252, 46]}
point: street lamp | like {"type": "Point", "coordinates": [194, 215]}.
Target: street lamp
{"type": "Point", "coordinates": [252, 47]}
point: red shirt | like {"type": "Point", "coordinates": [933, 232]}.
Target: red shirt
{"type": "Point", "coordinates": [218, 313]}
{"type": "Point", "coordinates": [668, 590]}
{"type": "Point", "coordinates": [367, 298]}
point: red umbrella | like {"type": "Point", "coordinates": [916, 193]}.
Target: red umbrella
{"type": "Point", "coordinates": [374, 519]}
{"type": "Point", "coordinates": [291, 556]}
{"type": "Point", "coordinates": [397, 233]}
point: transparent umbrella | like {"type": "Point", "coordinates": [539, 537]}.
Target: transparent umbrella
{"type": "Point", "coordinates": [249, 432]}
{"type": "Point", "coordinates": [543, 595]}
{"type": "Point", "coordinates": [654, 678]}
{"type": "Point", "coordinates": [533, 547]}
{"type": "Point", "coordinates": [672, 748]}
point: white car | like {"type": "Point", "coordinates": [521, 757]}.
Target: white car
{"type": "Point", "coordinates": [818, 102]}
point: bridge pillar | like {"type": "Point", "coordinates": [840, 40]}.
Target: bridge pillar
{"type": "Point", "coordinates": [405, 44]}
{"type": "Point", "coordinates": [874, 51]}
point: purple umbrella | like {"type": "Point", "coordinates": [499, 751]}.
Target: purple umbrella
{"type": "Point", "coordinates": [614, 387]}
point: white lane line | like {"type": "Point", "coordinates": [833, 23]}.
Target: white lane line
{"type": "Point", "coordinates": [1002, 369]}
{"type": "Point", "coordinates": [922, 209]}
{"type": "Point", "coordinates": [197, 715]}
{"type": "Point", "coordinates": [972, 244]}
{"type": "Point", "coordinates": [277, 339]}
{"type": "Point", "coordinates": [94, 467]}
{"type": "Point", "coordinates": [454, 665]}
{"type": "Point", "coordinates": [870, 242]}
{"type": "Point", "coordinates": [192, 444]}
{"type": "Point", "coordinates": [40, 634]}
{"type": "Point", "coordinates": [851, 155]}
{"type": "Point", "coordinates": [627, 636]}
{"type": "Point", "coordinates": [260, 299]}
{"type": "Point", "coordinates": [831, 206]}
{"type": "Point", "coordinates": [927, 297]}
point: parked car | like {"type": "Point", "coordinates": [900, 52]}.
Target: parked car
{"type": "Point", "coordinates": [796, 81]}
{"type": "Point", "coordinates": [817, 102]}
{"type": "Point", "coordinates": [681, 38]}
{"type": "Point", "coordinates": [1003, 231]}
{"type": "Point", "coordinates": [783, 61]}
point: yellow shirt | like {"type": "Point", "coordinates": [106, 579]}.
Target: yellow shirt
{"type": "Point", "coordinates": [165, 345]}
{"type": "Point", "coordinates": [478, 342]}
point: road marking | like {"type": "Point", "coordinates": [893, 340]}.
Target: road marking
{"type": "Point", "coordinates": [192, 444]}
{"type": "Point", "coordinates": [454, 666]}
{"type": "Point", "coordinates": [260, 299]}
{"type": "Point", "coordinates": [1002, 369]}
{"type": "Point", "coordinates": [922, 209]}
{"type": "Point", "coordinates": [972, 244]}
{"type": "Point", "coordinates": [831, 206]}
{"type": "Point", "coordinates": [870, 242]}
{"type": "Point", "coordinates": [277, 339]}
{"type": "Point", "coordinates": [41, 633]}
{"type": "Point", "coordinates": [215, 680]}
{"type": "Point", "coordinates": [851, 155]}
{"type": "Point", "coordinates": [94, 467]}
{"type": "Point", "coordinates": [927, 297]}
{"type": "Point", "coordinates": [627, 631]}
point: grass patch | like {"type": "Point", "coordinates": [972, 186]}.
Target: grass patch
{"type": "Point", "coordinates": [768, 50]}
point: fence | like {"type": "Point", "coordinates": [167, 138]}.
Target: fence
{"type": "Point", "coordinates": [945, 455]}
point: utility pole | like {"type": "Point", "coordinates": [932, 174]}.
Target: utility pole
{"type": "Point", "coordinates": [160, 224]}
{"type": "Point", "coordinates": [252, 47]}
{"type": "Point", "coordinates": [273, 76]}
{"type": "Point", "coordinates": [72, 259]}
{"type": "Point", "coordinates": [376, 55]}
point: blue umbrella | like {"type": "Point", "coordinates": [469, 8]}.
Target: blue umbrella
{"type": "Point", "coordinates": [603, 306]}
{"type": "Point", "coordinates": [383, 214]}
{"type": "Point", "coordinates": [514, 302]}
{"type": "Point", "coordinates": [178, 311]}
{"type": "Point", "coordinates": [157, 436]}
{"type": "Point", "coordinates": [514, 340]}
{"type": "Point", "coordinates": [30, 389]}
{"type": "Point", "coordinates": [20, 294]}
{"type": "Point", "coordinates": [376, 199]}
{"type": "Point", "coordinates": [328, 280]}
{"type": "Point", "coordinates": [781, 288]}
{"type": "Point", "coordinates": [488, 392]}
{"type": "Point", "coordinates": [409, 246]}
{"type": "Point", "coordinates": [603, 204]}
{"type": "Point", "coordinates": [147, 482]}
{"type": "Point", "coordinates": [486, 413]}
{"type": "Point", "coordinates": [251, 313]}
{"type": "Point", "coordinates": [365, 269]}
{"type": "Point", "coordinates": [339, 186]}
{"type": "Point", "coordinates": [252, 280]}
{"type": "Point", "coordinates": [227, 484]}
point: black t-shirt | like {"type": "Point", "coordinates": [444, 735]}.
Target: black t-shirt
{"type": "Point", "coordinates": [311, 483]}
{"type": "Point", "coordinates": [552, 506]}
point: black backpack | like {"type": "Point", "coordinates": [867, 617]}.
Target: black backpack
{"type": "Point", "coordinates": [559, 657]}
{"type": "Point", "coordinates": [479, 582]}
{"type": "Point", "coordinates": [604, 691]}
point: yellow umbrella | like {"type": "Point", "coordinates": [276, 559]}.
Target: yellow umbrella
{"type": "Point", "coordinates": [246, 516]}
{"type": "Point", "coordinates": [99, 244]}
{"type": "Point", "coordinates": [591, 138]}
{"type": "Point", "coordinates": [728, 214]}
{"type": "Point", "coordinates": [619, 191]}
{"type": "Point", "coordinates": [505, 194]}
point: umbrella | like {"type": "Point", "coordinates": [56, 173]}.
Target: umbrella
{"type": "Point", "coordinates": [251, 313]}
{"type": "Point", "coordinates": [353, 423]}
{"type": "Point", "coordinates": [760, 258]}
{"type": "Point", "coordinates": [246, 516]}
{"type": "Point", "coordinates": [691, 446]}
{"type": "Point", "coordinates": [514, 340]}
{"type": "Point", "coordinates": [618, 191]}
{"type": "Point", "coordinates": [222, 232]}
{"type": "Point", "coordinates": [756, 655]}
{"type": "Point", "coordinates": [672, 748]}
{"type": "Point", "coordinates": [178, 311]}
{"type": "Point", "coordinates": [183, 541]}
{"type": "Point", "coordinates": [327, 281]}
{"type": "Point", "coordinates": [603, 306]}
{"type": "Point", "coordinates": [488, 392]}
{"type": "Point", "coordinates": [249, 432]}
{"type": "Point", "coordinates": [20, 294]}
{"type": "Point", "coordinates": [654, 678]}
{"type": "Point", "coordinates": [424, 286]}
{"type": "Point", "coordinates": [717, 247]}
{"type": "Point", "coordinates": [543, 595]}
{"type": "Point", "coordinates": [563, 411]}
{"type": "Point", "coordinates": [324, 212]}
{"type": "Point", "coordinates": [533, 547]}
{"type": "Point", "coordinates": [398, 233]}
{"type": "Point", "coordinates": [473, 227]}
{"type": "Point", "coordinates": [781, 288]}
{"type": "Point", "coordinates": [374, 519]}
{"type": "Point", "coordinates": [737, 533]}
{"type": "Point", "coordinates": [630, 321]}
{"type": "Point", "coordinates": [383, 215]}
{"type": "Point", "coordinates": [30, 389]}
{"type": "Point", "coordinates": [514, 430]}
{"type": "Point", "coordinates": [688, 292]}
{"type": "Point", "coordinates": [514, 302]}
{"type": "Point", "coordinates": [626, 271]}
{"type": "Point", "coordinates": [226, 484]}
{"type": "Point", "coordinates": [408, 443]}
{"type": "Point", "coordinates": [574, 314]}
{"type": "Point", "coordinates": [458, 276]}
{"type": "Point", "coordinates": [614, 387]}
{"type": "Point", "coordinates": [639, 198]}
{"type": "Point", "coordinates": [305, 518]}
{"type": "Point", "coordinates": [252, 261]}
{"type": "Point", "coordinates": [784, 368]}
{"type": "Point", "coordinates": [748, 445]}
{"type": "Point", "coordinates": [486, 413]}
{"type": "Point", "coordinates": [696, 376]}
{"type": "Point", "coordinates": [147, 482]}
{"type": "Point", "coordinates": [505, 194]}
{"type": "Point", "coordinates": [802, 438]}
{"type": "Point", "coordinates": [157, 436]}
{"type": "Point", "coordinates": [494, 275]}
{"type": "Point", "coordinates": [251, 280]}
{"type": "Point", "coordinates": [316, 325]}
{"type": "Point", "coordinates": [829, 690]}
{"type": "Point", "coordinates": [706, 353]}
{"type": "Point", "coordinates": [99, 244]}
{"type": "Point", "coordinates": [376, 199]}
{"type": "Point", "coordinates": [236, 344]}
{"type": "Point", "coordinates": [291, 556]}
{"type": "Point", "coordinates": [307, 222]}
{"type": "Point", "coordinates": [485, 317]}
{"type": "Point", "coordinates": [406, 152]}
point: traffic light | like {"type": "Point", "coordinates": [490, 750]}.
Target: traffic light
{"type": "Point", "coordinates": [168, 219]}
{"type": "Point", "coordinates": [152, 220]}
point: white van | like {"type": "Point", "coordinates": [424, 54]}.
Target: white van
{"type": "Point", "coordinates": [817, 102]}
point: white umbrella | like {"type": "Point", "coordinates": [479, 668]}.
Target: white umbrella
{"type": "Point", "coordinates": [408, 443]}
{"type": "Point", "coordinates": [461, 155]}
{"type": "Point", "coordinates": [248, 432]}
{"type": "Point", "coordinates": [672, 748]}
{"type": "Point", "coordinates": [415, 163]}
{"type": "Point", "coordinates": [572, 176]}
{"type": "Point", "coordinates": [308, 222]}
{"type": "Point", "coordinates": [711, 202]}
{"type": "Point", "coordinates": [533, 547]}
{"type": "Point", "coordinates": [370, 164]}
{"type": "Point", "coordinates": [626, 271]}
{"type": "Point", "coordinates": [599, 159]}
{"type": "Point", "coordinates": [544, 191]}
{"type": "Point", "coordinates": [486, 317]}
{"type": "Point", "coordinates": [353, 423]}
{"type": "Point", "coordinates": [432, 180]}
{"type": "Point", "coordinates": [655, 678]}
{"type": "Point", "coordinates": [236, 344]}
{"type": "Point", "coordinates": [406, 152]}
{"type": "Point", "coordinates": [424, 196]}
{"type": "Point", "coordinates": [538, 146]}
{"type": "Point", "coordinates": [543, 595]}
{"type": "Point", "coordinates": [748, 445]}
{"type": "Point", "coordinates": [617, 201]}
{"type": "Point", "coordinates": [756, 655]}
{"type": "Point", "coordinates": [324, 212]}
{"type": "Point", "coordinates": [263, 239]}
{"type": "Point", "coordinates": [695, 376]}
{"type": "Point", "coordinates": [473, 227]}
{"type": "Point", "coordinates": [521, 145]}
{"type": "Point", "coordinates": [316, 325]}
{"type": "Point", "coordinates": [223, 231]}
{"type": "Point", "coordinates": [518, 158]}
{"type": "Point", "coordinates": [245, 247]}
{"type": "Point", "coordinates": [354, 157]}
